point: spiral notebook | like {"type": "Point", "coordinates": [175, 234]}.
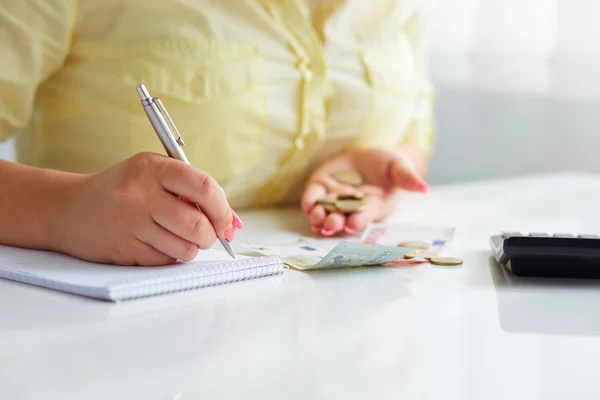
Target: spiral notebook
{"type": "Point", "coordinates": [116, 283]}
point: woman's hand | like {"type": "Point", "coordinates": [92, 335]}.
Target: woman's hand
{"type": "Point", "coordinates": [385, 174]}
{"type": "Point", "coordinates": [132, 213]}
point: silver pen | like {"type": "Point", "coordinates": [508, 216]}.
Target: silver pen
{"type": "Point", "coordinates": [165, 129]}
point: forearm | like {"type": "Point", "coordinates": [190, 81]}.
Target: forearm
{"type": "Point", "coordinates": [32, 202]}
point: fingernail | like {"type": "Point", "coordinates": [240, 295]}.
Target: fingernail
{"type": "Point", "coordinates": [327, 232]}
{"type": "Point", "coordinates": [237, 222]}
{"type": "Point", "coordinates": [230, 233]}
{"type": "Point", "coordinates": [349, 230]}
{"type": "Point", "coordinates": [423, 187]}
{"type": "Point", "coordinates": [315, 228]}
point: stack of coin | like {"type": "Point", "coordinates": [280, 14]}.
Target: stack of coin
{"type": "Point", "coordinates": [420, 252]}
{"type": "Point", "coordinates": [344, 204]}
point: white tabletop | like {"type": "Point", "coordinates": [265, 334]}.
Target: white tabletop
{"type": "Point", "coordinates": [405, 333]}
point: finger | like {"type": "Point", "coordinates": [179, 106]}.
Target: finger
{"type": "Point", "coordinates": [148, 256]}
{"type": "Point", "coordinates": [184, 220]}
{"type": "Point", "coordinates": [193, 184]}
{"type": "Point", "coordinates": [313, 192]}
{"type": "Point", "coordinates": [189, 202]}
{"type": "Point", "coordinates": [168, 243]}
{"type": "Point", "coordinates": [403, 174]}
{"type": "Point", "coordinates": [373, 209]}
{"type": "Point", "coordinates": [316, 218]}
{"type": "Point", "coordinates": [237, 222]}
{"type": "Point", "coordinates": [333, 224]}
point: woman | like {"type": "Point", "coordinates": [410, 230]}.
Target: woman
{"type": "Point", "coordinates": [272, 97]}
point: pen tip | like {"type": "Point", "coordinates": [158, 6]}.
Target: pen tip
{"type": "Point", "coordinates": [227, 247]}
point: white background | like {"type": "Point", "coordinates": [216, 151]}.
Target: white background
{"type": "Point", "coordinates": [519, 88]}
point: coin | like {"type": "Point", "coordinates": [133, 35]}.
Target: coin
{"type": "Point", "coordinates": [412, 254]}
{"type": "Point", "coordinates": [348, 177]}
{"type": "Point", "coordinates": [419, 254]}
{"type": "Point", "coordinates": [446, 261]}
{"type": "Point", "coordinates": [349, 206]}
{"type": "Point", "coordinates": [351, 196]}
{"type": "Point", "coordinates": [328, 205]}
{"type": "Point", "coordinates": [416, 244]}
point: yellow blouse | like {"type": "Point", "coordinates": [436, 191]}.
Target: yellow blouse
{"type": "Point", "coordinates": [260, 90]}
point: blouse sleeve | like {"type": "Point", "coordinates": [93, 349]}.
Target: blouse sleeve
{"type": "Point", "coordinates": [35, 37]}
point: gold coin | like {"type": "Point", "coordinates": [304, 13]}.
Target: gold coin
{"type": "Point", "coordinates": [349, 206]}
{"type": "Point", "coordinates": [325, 201]}
{"type": "Point", "coordinates": [329, 206]}
{"type": "Point", "coordinates": [428, 255]}
{"type": "Point", "coordinates": [416, 244]}
{"type": "Point", "coordinates": [351, 196]}
{"type": "Point", "coordinates": [412, 254]}
{"type": "Point", "coordinates": [446, 261]}
{"type": "Point", "coordinates": [348, 177]}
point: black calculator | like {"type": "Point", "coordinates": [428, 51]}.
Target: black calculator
{"type": "Point", "coordinates": [559, 255]}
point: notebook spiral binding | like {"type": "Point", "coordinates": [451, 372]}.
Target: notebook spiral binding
{"type": "Point", "coordinates": [176, 281]}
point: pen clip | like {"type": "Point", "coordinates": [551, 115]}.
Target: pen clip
{"type": "Point", "coordinates": [163, 110]}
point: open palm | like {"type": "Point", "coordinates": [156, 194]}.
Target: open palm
{"type": "Point", "coordinates": [385, 173]}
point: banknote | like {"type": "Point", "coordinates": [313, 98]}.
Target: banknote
{"type": "Point", "coordinates": [384, 234]}
{"type": "Point", "coordinates": [393, 234]}
{"type": "Point", "coordinates": [352, 254]}
{"type": "Point", "coordinates": [299, 255]}
{"type": "Point", "coordinates": [305, 255]}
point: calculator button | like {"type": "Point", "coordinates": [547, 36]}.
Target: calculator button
{"type": "Point", "coordinates": [589, 236]}
{"type": "Point", "coordinates": [506, 235]}
{"type": "Point", "coordinates": [563, 235]}
{"type": "Point", "coordinates": [539, 235]}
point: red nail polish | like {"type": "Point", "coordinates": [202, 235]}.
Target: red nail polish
{"type": "Point", "coordinates": [423, 187]}
{"type": "Point", "coordinates": [327, 232]}
{"type": "Point", "coordinates": [349, 230]}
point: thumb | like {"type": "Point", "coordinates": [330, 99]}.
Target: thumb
{"type": "Point", "coordinates": [403, 174]}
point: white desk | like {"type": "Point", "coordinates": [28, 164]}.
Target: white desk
{"type": "Point", "coordinates": [376, 333]}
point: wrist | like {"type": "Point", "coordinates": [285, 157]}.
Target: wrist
{"type": "Point", "coordinates": [59, 191]}
{"type": "Point", "coordinates": [33, 204]}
